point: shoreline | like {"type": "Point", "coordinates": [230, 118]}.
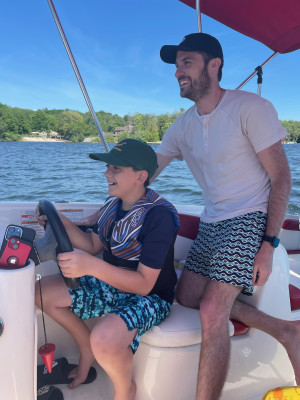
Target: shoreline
{"type": "Point", "coordinates": [38, 139]}
{"type": "Point", "coordinates": [52, 140]}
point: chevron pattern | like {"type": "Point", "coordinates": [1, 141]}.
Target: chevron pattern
{"type": "Point", "coordinates": [224, 251]}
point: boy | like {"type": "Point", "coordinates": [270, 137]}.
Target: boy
{"type": "Point", "coordinates": [132, 288]}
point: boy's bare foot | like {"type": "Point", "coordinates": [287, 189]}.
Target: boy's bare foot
{"type": "Point", "coordinates": [80, 373]}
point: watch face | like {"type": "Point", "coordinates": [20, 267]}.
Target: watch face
{"type": "Point", "coordinates": [275, 242]}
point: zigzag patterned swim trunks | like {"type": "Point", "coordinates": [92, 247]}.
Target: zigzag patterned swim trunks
{"type": "Point", "coordinates": [224, 251]}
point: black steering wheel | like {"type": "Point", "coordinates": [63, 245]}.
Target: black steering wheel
{"type": "Point", "coordinates": [61, 236]}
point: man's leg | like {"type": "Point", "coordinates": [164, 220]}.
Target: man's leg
{"type": "Point", "coordinates": [190, 288]}
{"type": "Point", "coordinates": [286, 332]}
{"type": "Point", "coordinates": [215, 308]}
{"type": "Point", "coordinates": [56, 303]}
{"type": "Point", "coordinates": [110, 341]}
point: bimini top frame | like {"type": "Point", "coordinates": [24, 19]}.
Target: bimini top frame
{"type": "Point", "coordinates": [272, 22]}
{"type": "Point", "coordinates": [77, 73]}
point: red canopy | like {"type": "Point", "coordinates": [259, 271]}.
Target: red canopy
{"type": "Point", "coordinates": [275, 23]}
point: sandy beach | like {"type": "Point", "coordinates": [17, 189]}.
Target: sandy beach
{"type": "Point", "coordinates": [39, 139]}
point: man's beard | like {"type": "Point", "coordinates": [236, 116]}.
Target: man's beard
{"type": "Point", "coordinates": [198, 88]}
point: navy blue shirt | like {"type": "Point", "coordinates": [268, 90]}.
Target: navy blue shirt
{"type": "Point", "coordinates": [157, 236]}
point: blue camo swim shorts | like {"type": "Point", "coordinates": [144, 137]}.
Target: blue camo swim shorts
{"type": "Point", "coordinates": [224, 251]}
{"type": "Point", "coordinates": [94, 298]}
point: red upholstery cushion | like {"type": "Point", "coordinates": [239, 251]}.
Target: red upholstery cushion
{"type": "Point", "coordinates": [294, 297]}
{"type": "Point", "coordinates": [291, 225]}
{"type": "Point", "coordinates": [239, 328]}
{"type": "Point", "coordinates": [189, 225]}
{"type": "Point", "coordinates": [293, 251]}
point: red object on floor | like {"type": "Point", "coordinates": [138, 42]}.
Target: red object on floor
{"type": "Point", "coordinates": [47, 353]}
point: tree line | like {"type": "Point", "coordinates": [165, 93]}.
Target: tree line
{"type": "Point", "coordinates": [76, 126]}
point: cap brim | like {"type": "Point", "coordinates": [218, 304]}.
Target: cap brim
{"type": "Point", "coordinates": [109, 159]}
{"type": "Point", "coordinates": [168, 54]}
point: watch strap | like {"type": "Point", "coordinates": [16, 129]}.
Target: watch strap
{"type": "Point", "coordinates": [273, 240]}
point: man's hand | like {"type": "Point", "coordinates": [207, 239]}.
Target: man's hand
{"type": "Point", "coordinates": [262, 264]}
{"type": "Point", "coordinates": [74, 264]}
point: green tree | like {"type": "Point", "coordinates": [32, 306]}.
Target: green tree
{"type": "Point", "coordinates": [71, 126]}
{"type": "Point", "coordinates": [40, 121]}
{"type": "Point", "coordinates": [293, 128]}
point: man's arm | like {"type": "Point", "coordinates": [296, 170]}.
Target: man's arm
{"type": "Point", "coordinates": [275, 163]}
{"type": "Point", "coordinates": [162, 161]}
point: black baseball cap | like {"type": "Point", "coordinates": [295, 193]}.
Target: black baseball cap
{"type": "Point", "coordinates": [193, 42]}
{"type": "Point", "coordinates": [130, 153]}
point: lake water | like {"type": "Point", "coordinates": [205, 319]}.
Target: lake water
{"type": "Point", "coordinates": [30, 171]}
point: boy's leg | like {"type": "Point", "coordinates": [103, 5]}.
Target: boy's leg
{"type": "Point", "coordinates": [286, 332]}
{"type": "Point", "coordinates": [116, 337]}
{"type": "Point", "coordinates": [56, 303]}
{"type": "Point", "coordinates": [110, 341]}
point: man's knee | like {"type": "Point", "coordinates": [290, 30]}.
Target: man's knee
{"type": "Point", "coordinates": [216, 305]}
{"type": "Point", "coordinates": [214, 317]}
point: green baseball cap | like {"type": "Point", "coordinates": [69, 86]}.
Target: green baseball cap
{"type": "Point", "coordinates": [130, 153]}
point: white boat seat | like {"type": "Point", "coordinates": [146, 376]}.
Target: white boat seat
{"type": "Point", "coordinates": [181, 328]}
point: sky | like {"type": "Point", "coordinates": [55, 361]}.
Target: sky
{"type": "Point", "coordinates": [116, 46]}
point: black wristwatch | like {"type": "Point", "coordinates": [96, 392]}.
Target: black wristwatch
{"type": "Point", "coordinates": [273, 240]}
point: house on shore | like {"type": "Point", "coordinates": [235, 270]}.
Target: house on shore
{"type": "Point", "coordinates": [120, 129]}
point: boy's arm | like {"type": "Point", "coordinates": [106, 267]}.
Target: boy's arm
{"type": "Point", "coordinates": [144, 278]}
{"type": "Point", "coordinates": [89, 220]}
{"type": "Point", "coordinates": [77, 263]}
{"type": "Point", "coordinates": [85, 241]}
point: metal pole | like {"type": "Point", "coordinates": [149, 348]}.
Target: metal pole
{"type": "Point", "coordinates": [198, 16]}
{"type": "Point", "coordinates": [259, 73]}
{"type": "Point", "coordinates": [77, 73]}
{"type": "Point", "coordinates": [255, 72]}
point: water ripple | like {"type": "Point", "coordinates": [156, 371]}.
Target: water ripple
{"type": "Point", "coordinates": [30, 171]}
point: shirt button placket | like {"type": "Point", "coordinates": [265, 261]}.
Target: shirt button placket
{"type": "Point", "coordinates": [205, 134]}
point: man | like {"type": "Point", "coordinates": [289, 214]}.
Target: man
{"type": "Point", "coordinates": [231, 141]}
